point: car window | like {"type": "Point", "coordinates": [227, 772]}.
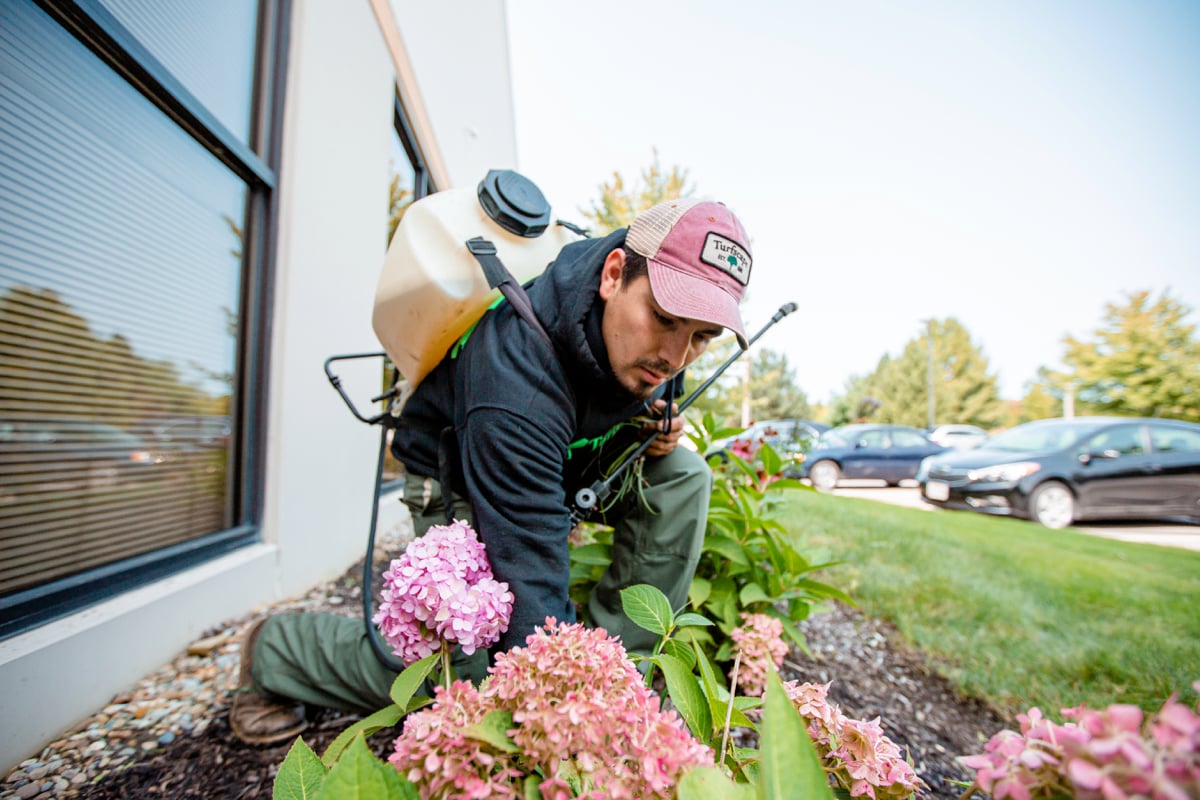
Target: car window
{"type": "Point", "coordinates": [1033, 437]}
{"type": "Point", "coordinates": [837, 437]}
{"type": "Point", "coordinates": [908, 439]}
{"type": "Point", "coordinates": [1125, 440]}
{"type": "Point", "coordinates": [873, 439]}
{"type": "Point", "coordinates": [1169, 439]}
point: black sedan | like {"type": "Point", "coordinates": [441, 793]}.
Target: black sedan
{"type": "Point", "coordinates": [1058, 471]}
{"type": "Point", "coordinates": [891, 453]}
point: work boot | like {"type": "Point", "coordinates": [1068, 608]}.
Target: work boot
{"type": "Point", "coordinates": [258, 717]}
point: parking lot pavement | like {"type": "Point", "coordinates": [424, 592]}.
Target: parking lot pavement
{"type": "Point", "coordinates": [1166, 534]}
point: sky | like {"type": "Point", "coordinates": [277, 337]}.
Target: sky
{"type": "Point", "coordinates": [1016, 165]}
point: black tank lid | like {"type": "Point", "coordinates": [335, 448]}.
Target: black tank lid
{"type": "Point", "coordinates": [514, 202]}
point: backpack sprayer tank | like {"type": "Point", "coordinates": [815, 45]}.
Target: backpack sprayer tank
{"type": "Point", "coordinates": [432, 289]}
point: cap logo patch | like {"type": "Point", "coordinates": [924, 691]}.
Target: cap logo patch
{"type": "Point", "coordinates": [727, 256]}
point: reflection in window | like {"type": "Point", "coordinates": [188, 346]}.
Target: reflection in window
{"type": "Point", "coordinates": [186, 37]}
{"type": "Point", "coordinates": [1170, 439]}
{"type": "Point", "coordinates": [120, 275]}
{"type": "Point", "coordinates": [1125, 441]}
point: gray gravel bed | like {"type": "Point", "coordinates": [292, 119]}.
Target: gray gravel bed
{"type": "Point", "coordinates": [180, 699]}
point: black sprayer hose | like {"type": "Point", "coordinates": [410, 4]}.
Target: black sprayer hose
{"type": "Point", "coordinates": [386, 658]}
{"type": "Point", "coordinates": [587, 498]}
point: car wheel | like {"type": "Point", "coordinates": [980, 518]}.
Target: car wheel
{"type": "Point", "coordinates": [1052, 505]}
{"type": "Point", "coordinates": [824, 475]}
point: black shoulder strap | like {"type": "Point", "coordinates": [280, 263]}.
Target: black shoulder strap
{"type": "Point", "coordinates": [498, 277]}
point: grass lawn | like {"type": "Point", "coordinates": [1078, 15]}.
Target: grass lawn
{"type": "Point", "coordinates": [1014, 613]}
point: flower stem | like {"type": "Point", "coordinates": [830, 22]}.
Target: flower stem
{"type": "Point", "coordinates": [446, 665]}
{"type": "Point", "coordinates": [737, 661]}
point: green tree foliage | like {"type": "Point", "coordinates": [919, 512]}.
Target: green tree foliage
{"type": "Point", "coordinates": [898, 390]}
{"type": "Point", "coordinates": [60, 368]}
{"type": "Point", "coordinates": [618, 205]}
{"type": "Point", "coordinates": [1043, 397]}
{"type": "Point", "coordinates": [1143, 361]}
{"type": "Point", "coordinates": [773, 390]}
{"type": "Point", "coordinates": [857, 402]}
{"type": "Point", "coordinates": [723, 398]}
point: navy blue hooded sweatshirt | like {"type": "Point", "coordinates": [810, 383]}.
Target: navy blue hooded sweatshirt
{"type": "Point", "coordinates": [525, 418]}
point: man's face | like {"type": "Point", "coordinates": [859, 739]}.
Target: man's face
{"type": "Point", "coordinates": [646, 345]}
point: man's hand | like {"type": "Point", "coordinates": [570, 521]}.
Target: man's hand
{"type": "Point", "coordinates": [664, 442]}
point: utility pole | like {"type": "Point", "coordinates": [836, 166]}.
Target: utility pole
{"type": "Point", "coordinates": [929, 374]}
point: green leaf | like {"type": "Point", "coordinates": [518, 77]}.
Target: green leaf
{"type": "Point", "coordinates": [818, 589]}
{"type": "Point", "coordinates": [594, 554]}
{"type": "Point", "coordinates": [708, 673]}
{"type": "Point", "coordinates": [300, 775]}
{"type": "Point", "coordinates": [693, 634]}
{"type": "Point", "coordinates": [383, 718]}
{"type": "Point", "coordinates": [753, 593]}
{"type": "Point", "coordinates": [359, 775]}
{"type": "Point", "coordinates": [789, 766]}
{"type": "Point", "coordinates": [710, 783]}
{"type": "Point", "coordinates": [771, 461]}
{"type": "Point", "coordinates": [409, 681]}
{"type": "Point", "coordinates": [699, 591]}
{"type": "Point", "coordinates": [648, 607]}
{"type": "Point", "coordinates": [579, 573]}
{"type": "Point", "coordinates": [493, 729]}
{"type": "Point", "coordinates": [530, 788]}
{"type": "Point", "coordinates": [681, 650]}
{"type": "Point", "coordinates": [784, 484]}
{"type": "Point", "coordinates": [686, 695]}
{"type": "Point", "coordinates": [719, 708]}
{"type": "Point", "coordinates": [729, 548]}
{"type": "Point", "coordinates": [691, 618]}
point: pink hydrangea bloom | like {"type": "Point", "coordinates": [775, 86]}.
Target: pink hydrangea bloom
{"type": "Point", "coordinates": [574, 694]}
{"type": "Point", "coordinates": [760, 641]}
{"type": "Point", "coordinates": [433, 752]}
{"type": "Point", "coordinates": [442, 589]}
{"type": "Point", "coordinates": [580, 713]}
{"type": "Point", "coordinates": [1113, 753]}
{"type": "Point", "coordinates": [857, 755]}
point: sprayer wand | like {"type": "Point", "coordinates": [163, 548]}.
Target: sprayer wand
{"type": "Point", "coordinates": [587, 498]}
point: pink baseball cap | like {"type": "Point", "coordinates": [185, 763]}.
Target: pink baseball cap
{"type": "Point", "coordinates": [698, 257]}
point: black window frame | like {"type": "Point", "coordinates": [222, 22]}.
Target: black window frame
{"type": "Point", "coordinates": [256, 162]}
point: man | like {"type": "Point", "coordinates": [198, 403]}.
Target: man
{"type": "Point", "coordinates": [515, 424]}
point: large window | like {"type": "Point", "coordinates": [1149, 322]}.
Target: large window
{"type": "Point", "coordinates": [136, 176]}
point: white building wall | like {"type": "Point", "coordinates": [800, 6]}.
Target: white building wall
{"type": "Point", "coordinates": [320, 461]}
{"type": "Point", "coordinates": [460, 56]}
{"type": "Point", "coordinates": [332, 239]}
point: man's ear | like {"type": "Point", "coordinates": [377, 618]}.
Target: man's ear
{"type": "Point", "coordinates": [610, 273]}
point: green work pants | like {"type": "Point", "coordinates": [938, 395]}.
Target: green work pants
{"type": "Point", "coordinates": [327, 660]}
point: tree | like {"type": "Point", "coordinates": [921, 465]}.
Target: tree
{"type": "Point", "coordinates": [857, 403]}
{"type": "Point", "coordinates": [1144, 361]}
{"type": "Point", "coordinates": [1043, 398]}
{"type": "Point", "coordinates": [722, 398]}
{"type": "Point", "coordinates": [773, 390]}
{"type": "Point", "coordinates": [898, 390]}
{"type": "Point", "coordinates": [618, 206]}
